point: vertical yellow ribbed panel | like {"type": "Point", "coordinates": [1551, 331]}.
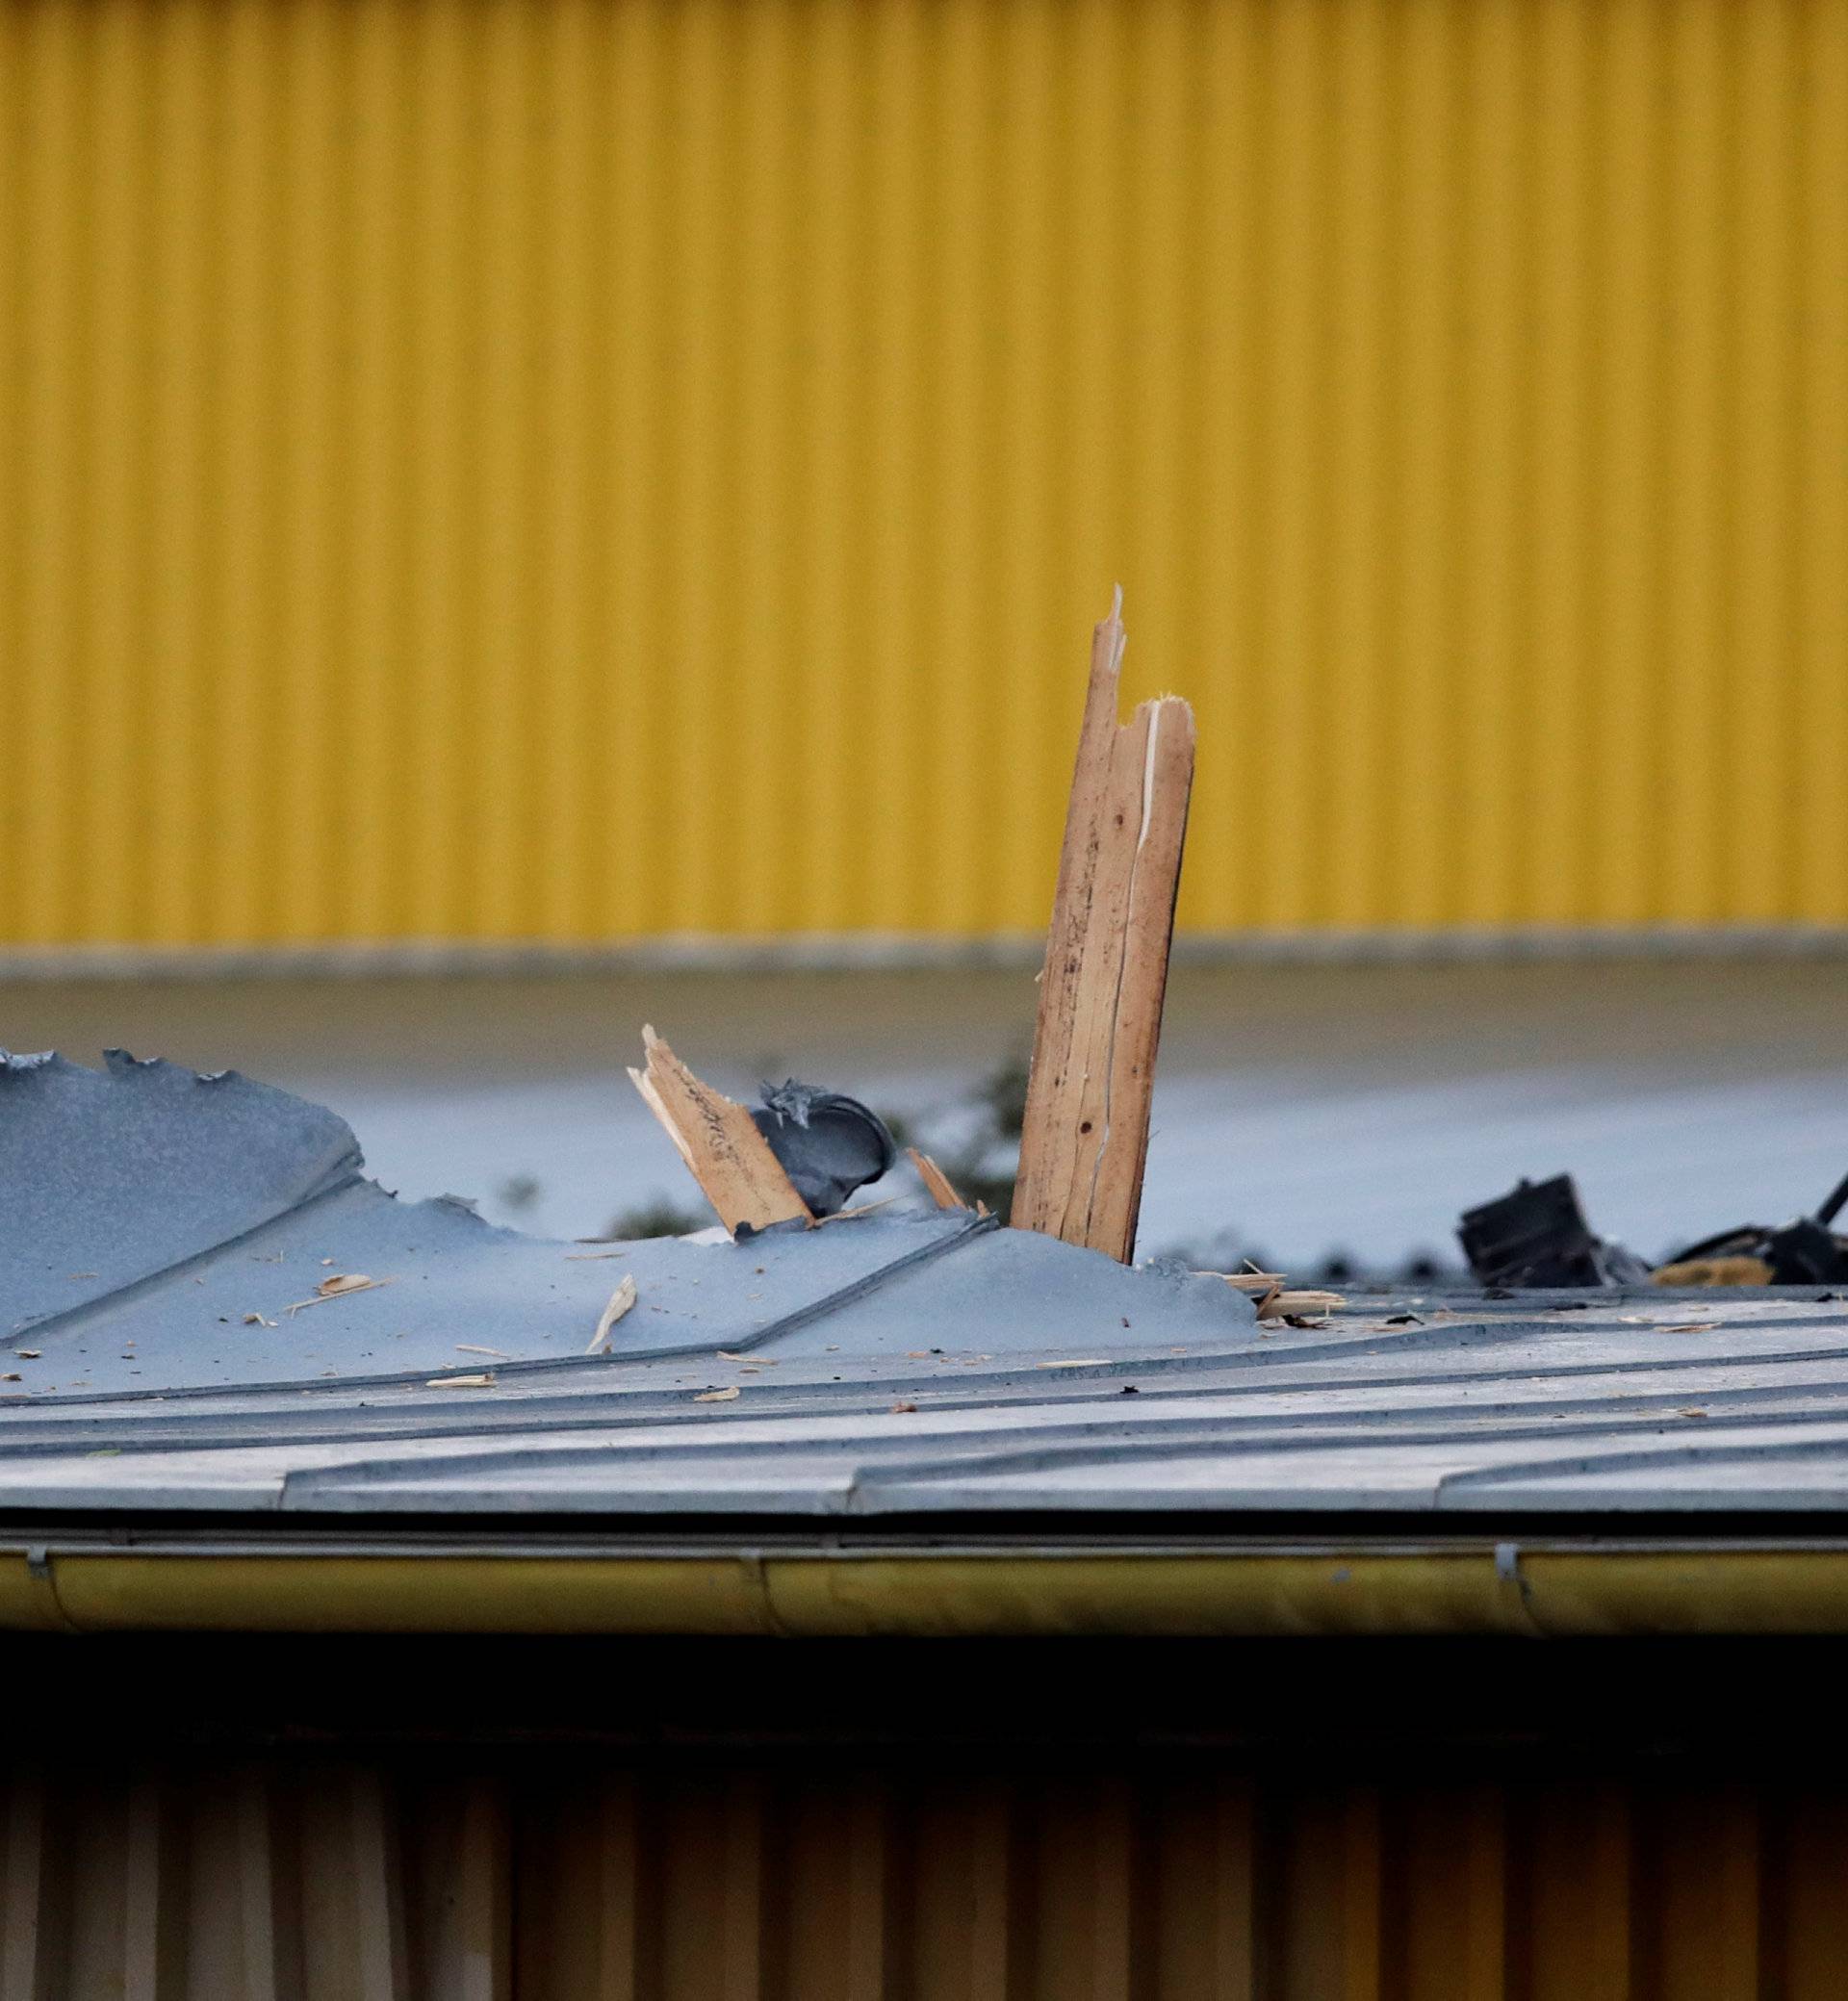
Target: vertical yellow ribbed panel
{"type": "Point", "coordinates": [582, 469]}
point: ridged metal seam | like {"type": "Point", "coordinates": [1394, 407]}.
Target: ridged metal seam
{"type": "Point", "coordinates": [583, 470]}
{"type": "Point", "coordinates": [244, 1880]}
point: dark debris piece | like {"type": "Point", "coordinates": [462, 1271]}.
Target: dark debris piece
{"type": "Point", "coordinates": [828, 1144]}
{"type": "Point", "coordinates": [1536, 1235]}
{"type": "Point", "coordinates": [1805, 1251]}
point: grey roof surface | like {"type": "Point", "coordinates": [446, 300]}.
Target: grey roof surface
{"type": "Point", "coordinates": [885, 1364]}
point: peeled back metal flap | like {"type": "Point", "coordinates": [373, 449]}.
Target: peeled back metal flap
{"type": "Point", "coordinates": [110, 1176]}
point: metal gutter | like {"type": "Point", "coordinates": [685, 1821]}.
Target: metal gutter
{"type": "Point", "coordinates": [1528, 1589]}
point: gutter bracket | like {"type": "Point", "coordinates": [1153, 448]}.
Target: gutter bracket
{"type": "Point", "coordinates": [1509, 1571]}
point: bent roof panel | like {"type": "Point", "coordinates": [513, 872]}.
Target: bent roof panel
{"type": "Point", "coordinates": [894, 1364]}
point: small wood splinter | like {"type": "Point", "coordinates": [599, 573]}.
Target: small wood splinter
{"type": "Point", "coordinates": [719, 1141]}
{"type": "Point", "coordinates": [942, 1190]}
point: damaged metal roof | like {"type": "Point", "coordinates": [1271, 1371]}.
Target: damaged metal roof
{"type": "Point", "coordinates": [164, 1237]}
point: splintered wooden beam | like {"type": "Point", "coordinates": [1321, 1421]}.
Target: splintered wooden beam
{"type": "Point", "coordinates": [1086, 1136]}
{"type": "Point", "coordinates": [719, 1141]}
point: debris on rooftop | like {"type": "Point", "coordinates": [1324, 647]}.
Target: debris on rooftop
{"type": "Point", "coordinates": [937, 1184]}
{"type": "Point", "coordinates": [723, 1146]}
{"type": "Point", "coordinates": [828, 1143]}
{"type": "Point", "coordinates": [1805, 1251]}
{"type": "Point", "coordinates": [163, 1235]}
{"type": "Point", "coordinates": [619, 1304]}
{"type": "Point", "coordinates": [260, 1204]}
{"type": "Point", "coordinates": [1538, 1235]}
{"type": "Point", "coordinates": [1086, 1136]}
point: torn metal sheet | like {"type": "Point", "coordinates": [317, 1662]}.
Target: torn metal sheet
{"type": "Point", "coordinates": [888, 1366]}
{"type": "Point", "coordinates": [109, 1177]}
{"type": "Point", "coordinates": [164, 1232]}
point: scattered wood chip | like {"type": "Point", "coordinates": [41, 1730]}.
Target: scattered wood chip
{"type": "Point", "coordinates": [12, 1375]}
{"type": "Point", "coordinates": [719, 1141]}
{"type": "Point", "coordinates": [1692, 1413]}
{"type": "Point", "coordinates": [337, 1287]}
{"type": "Point", "coordinates": [862, 1209]}
{"type": "Point", "coordinates": [717, 1395]}
{"type": "Point", "coordinates": [898, 1409]}
{"type": "Point", "coordinates": [256, 1319]}
{"type": "Point", "coordinates": [942, 1190]}
{"type": "Point", "coordinates": [1713, 1271]}
{"type": "Point", "coordinates": [1079, 1361]}
{"type": "Point", "coordinates": [468, 1348]}
{"type": "Point", "coordinates": [1256, 1283]}
{"type": "Point", "coordinates": [1692, 1327]}
{"type": "Point", "coordinates": [586, 1257]}
{"type": "Point", "coordinates": [725, 1354]}
{"type": "Point", "coordinates": [1276, 1304]}
{"type": "Point", "coordinates": [30, 1354]}
{"type": "Point", "coordinates": [484, 1381]}
{"type": "Point", "coordinates": [620, 1301]}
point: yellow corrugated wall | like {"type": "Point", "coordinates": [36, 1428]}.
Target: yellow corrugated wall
{"type": "Point", "coordinates": [582, 469]}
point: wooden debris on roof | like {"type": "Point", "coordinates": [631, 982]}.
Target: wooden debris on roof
{"type": "Point", "coordinates": [619, 1303]}
{"type": "Point", "coordinates": [719, 1141]}
{"type": "Point", "coordinates": [1271, 1294]}
{"type": "Point", "coordinates": [942, 1191]}
{"type": "Point", "coordinates": [1253, 1282]}
{"type": "Point", "coordinates": [1726, 1271]}
{"type": "Point", "coordinates": [1086, 1136]}
{"type": "Point", "coordinates": [1277, 1304]}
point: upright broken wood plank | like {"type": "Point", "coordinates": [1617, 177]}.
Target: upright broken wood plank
{"type": "Point", "coordinates": [1085, 1139]}
{"type": "Point", "coordinates": [719, 1141]}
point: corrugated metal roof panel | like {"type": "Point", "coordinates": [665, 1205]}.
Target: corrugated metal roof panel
{"type": "Point", "coordinates": [894, 1364]}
